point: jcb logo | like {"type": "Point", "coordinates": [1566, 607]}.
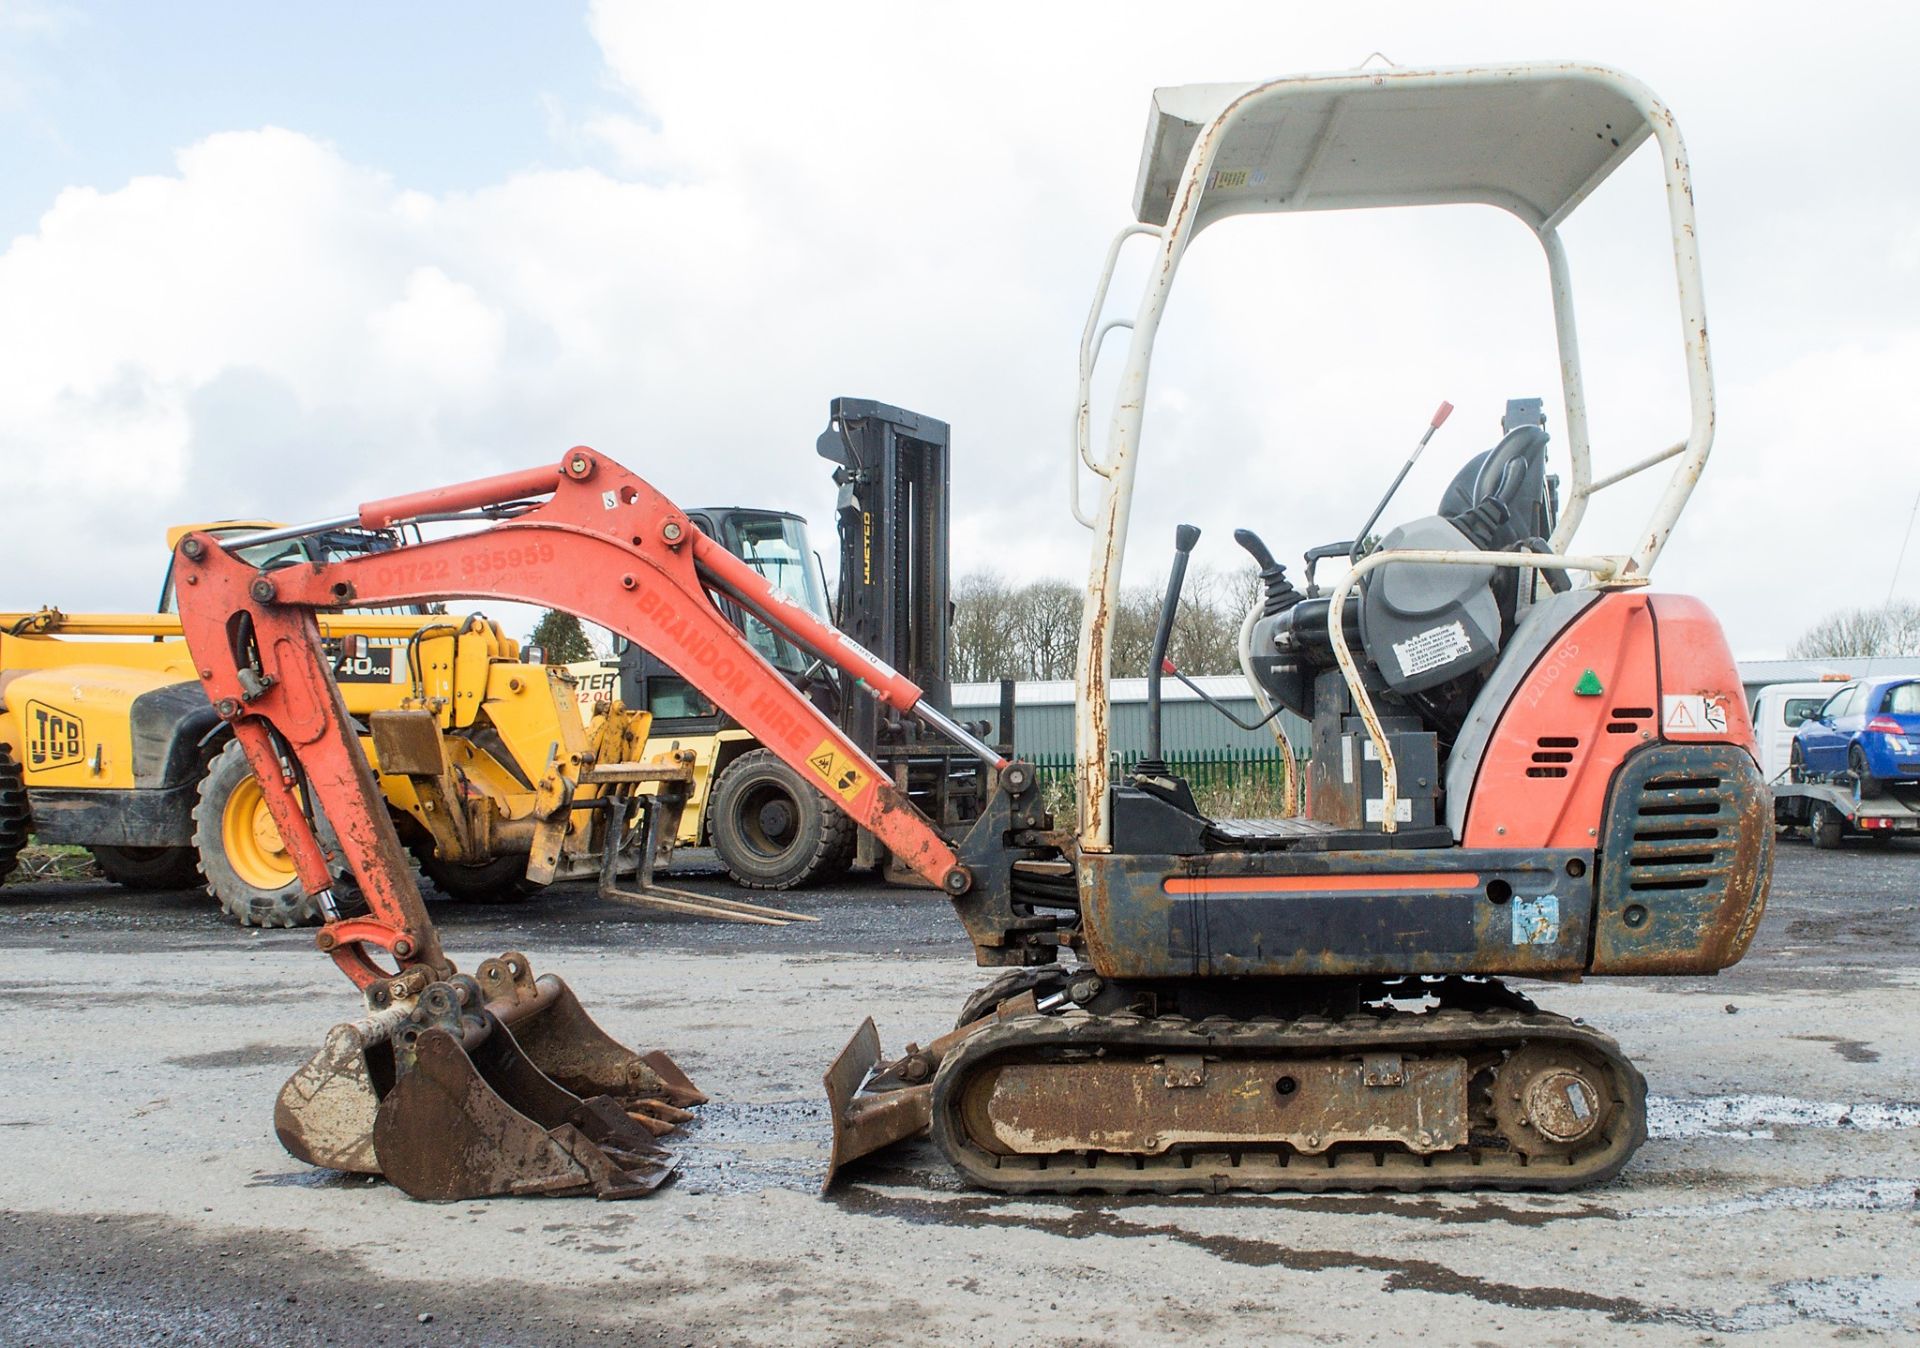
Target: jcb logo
{"type": "Point", "coordinates": [54, 737]}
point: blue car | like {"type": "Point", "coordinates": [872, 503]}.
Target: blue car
{"type": "Point", "coordinates": [1870, 730]}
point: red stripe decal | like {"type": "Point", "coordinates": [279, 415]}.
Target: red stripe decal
{"type": "Point", "coordinates": [1317, 884]}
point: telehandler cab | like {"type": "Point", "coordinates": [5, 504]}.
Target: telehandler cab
{"type": "Point", "coordinates": [1524, 765]}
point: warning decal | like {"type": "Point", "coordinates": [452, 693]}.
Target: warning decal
{"type": "Point", "coordinates": [1432, 648]}
{"type": "Point", "coordinates": [1536, 921]}
{"type": "Point", "coordinates": [838, 770]}
{"type": "Point", "coordinates": [1693, 714]}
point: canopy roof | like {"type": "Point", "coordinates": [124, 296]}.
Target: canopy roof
{"type": "Point", "coordinates": [1533, 139]}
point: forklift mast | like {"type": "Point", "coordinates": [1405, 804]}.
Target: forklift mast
{"type": "Point", "coordinates": [894, 593]}
{"type": "Point", "coordinates": [893, 598]}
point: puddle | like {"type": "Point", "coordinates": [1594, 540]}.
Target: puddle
{"type": "Point", "coordinates": [1756, 1116]}
{"type": "Point", "coordinates": [1868, 1302]}
{"type": "Point", "coordinates": [1853, 1050]}
{"type": "Point", "coordinates": [288, 1056]}
{"type": "Point", "coordinates": [744, 1148]}
{"type": "Point", "coordinates": [1398, 1273]}
{"type": "Point", "coordinates": [1446, 1209]}
{"type": "Point", "coordinates": [1844, 1195]}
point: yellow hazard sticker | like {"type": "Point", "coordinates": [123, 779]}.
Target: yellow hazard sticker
{"type": "Point", "coordinates": [838, 770]}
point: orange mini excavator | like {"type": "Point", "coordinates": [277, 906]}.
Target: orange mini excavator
{"type": "Point", "coordinates": [1512, 774]}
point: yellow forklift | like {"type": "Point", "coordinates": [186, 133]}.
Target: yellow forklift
{"type": "Point", "coordinates": [771, 827]}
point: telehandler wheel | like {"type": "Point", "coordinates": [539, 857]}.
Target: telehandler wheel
{"type": "Point", "coordinates": [16, 824]}
{"type": "Point", "coordinates": [242, 856]}
{"type": "Point", "coordinates": [149, 867]}
{"type": "Point", "coordinates": [773, 830]}
{"type": "Point", "coordinates": [502, 880]}
{"type": "Point", "coordinates": [1824, 826]}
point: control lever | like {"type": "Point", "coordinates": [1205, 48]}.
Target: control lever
{"type": "Point", "coordinates": [1184, 538]}
{"type": "Point", "coordinates": [1440, 416]}
{"type": "Point", "coordinates": [1280, 594]}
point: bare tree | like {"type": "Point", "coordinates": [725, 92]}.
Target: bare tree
{"type": "Point", "coordinates": [1032, 631]}
{"type": "Point", "coordinates": [982, 613]}
{"type": "Point", "coordinates": [1045, 629]}
{"type": "Point", "coordinates": [1892, 629]}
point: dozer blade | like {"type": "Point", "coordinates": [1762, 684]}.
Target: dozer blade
{"type": "Point", "coordinates": [863, 1123]}
{"type": "Point", "coordinates": [875, 1104]}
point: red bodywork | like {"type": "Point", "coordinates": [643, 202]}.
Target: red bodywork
{"type": "Point", "coordinates": [607, 547]}
{"type": "Point", "coordinates": [1664, 672]}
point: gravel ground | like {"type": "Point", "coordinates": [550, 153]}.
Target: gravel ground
{"type": "Point", "coordinates": [143, 1197]}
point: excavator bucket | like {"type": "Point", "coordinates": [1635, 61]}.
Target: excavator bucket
{"type": "Point", "coordinates": [495, 1084]}
{"type": "Point", "coordinates": [325, 1112]}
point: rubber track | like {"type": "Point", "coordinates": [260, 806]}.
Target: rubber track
{"type": "Point", "coordinates": [1352, 1167]}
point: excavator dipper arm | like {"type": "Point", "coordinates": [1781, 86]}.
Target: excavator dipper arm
{"type": "Point", "coordinates": [605, 546]}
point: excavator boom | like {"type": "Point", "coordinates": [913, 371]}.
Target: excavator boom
{"type": "Point", "coordinates": [540, 1098]}
{"type": "Point", "coordinates": [605, 546]}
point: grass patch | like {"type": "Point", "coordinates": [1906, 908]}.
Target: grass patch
{"type": "Point", "coordinates": [39, 863]}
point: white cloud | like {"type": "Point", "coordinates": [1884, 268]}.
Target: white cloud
{"type": "Point", "coordinates": [911, 204]}
{"type": "Point", "coordinates": [441, 334]}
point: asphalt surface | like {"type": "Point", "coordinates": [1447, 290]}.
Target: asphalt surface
{"type": "Point", "coordinates": [143, 1197]}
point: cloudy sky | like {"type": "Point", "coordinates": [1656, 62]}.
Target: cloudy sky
{"type": "Point", "coordinates": [262, 260]}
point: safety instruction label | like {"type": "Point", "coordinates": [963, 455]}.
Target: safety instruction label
{"type": "Point", "coordinates": [1536, 921]}
{"type": "Point", "coordinates": [1432, 648]}
{"type": "Point", "coordinates": [841, 776]}
{"type": "Point", "coordinates": [1693, 714]}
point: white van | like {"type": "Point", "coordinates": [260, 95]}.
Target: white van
{"type": "Point", "coordinates": [1778, 710]}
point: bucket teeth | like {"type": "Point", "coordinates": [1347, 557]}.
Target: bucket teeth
{"type": "Point", "coordinates": [499, 1084]}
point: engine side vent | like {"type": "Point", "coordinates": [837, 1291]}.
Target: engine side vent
{"type": "Point", "coordinates": [1627, 720]}
{"type": "Point", "coordinates": [1679, 834]}
{"type": "Point", "coordinates": [1685, 854]}
{"type": "Point", "coordinates": [1553, 756]}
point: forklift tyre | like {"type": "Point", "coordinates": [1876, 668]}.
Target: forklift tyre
{"type": "Point", "coordinates": [773, 829]}
{"type": "Point", "coordinates": [16, 821]}
{"type": "Point", "coordinates": [501, 880]}
{"type": "Point", "coordinates": [1824, 826]}
{"type": "Point", "coordinates": [149, 867]}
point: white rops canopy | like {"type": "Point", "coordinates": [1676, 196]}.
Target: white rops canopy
{"type": "Point", "coordinates": [1534, 140]}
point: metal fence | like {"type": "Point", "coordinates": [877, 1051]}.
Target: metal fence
{"type": "Point", "coordinates": [1208, 771]}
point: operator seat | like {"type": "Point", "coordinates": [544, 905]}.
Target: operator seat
{"type": "Point", "coordinates": [1417, 628]}
{"type": "Point", "coordinates": [1423, 624]}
